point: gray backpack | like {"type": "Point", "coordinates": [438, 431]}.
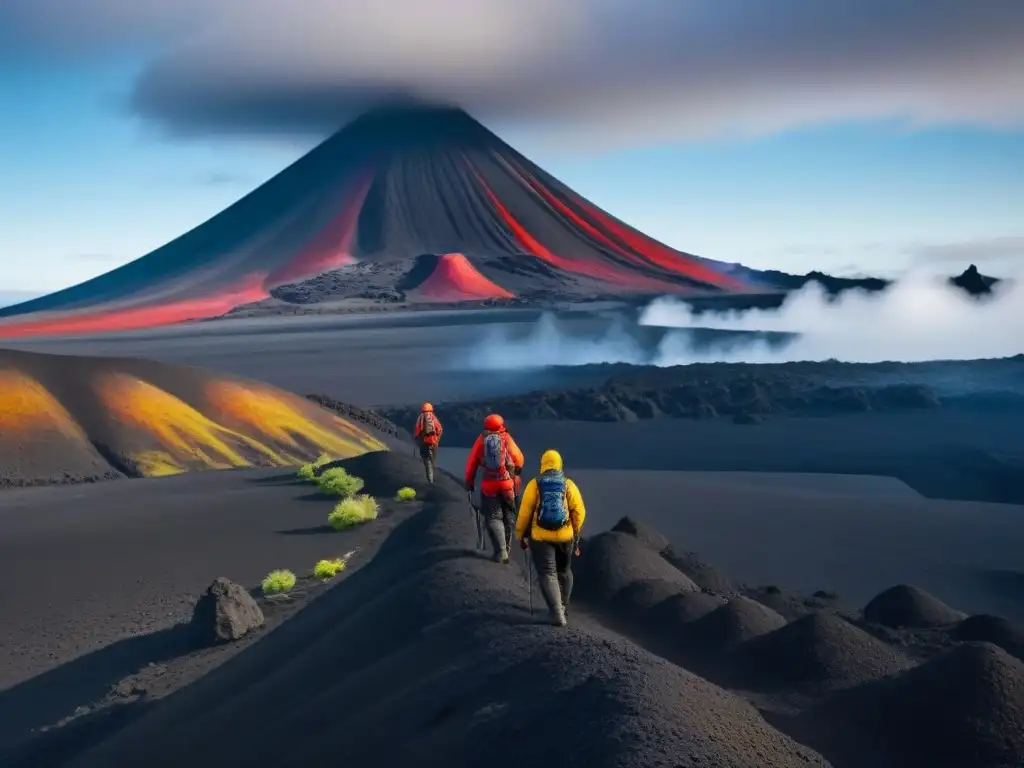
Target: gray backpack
{"type": "Point", "coordinates": [429, 426]}
{"type": "Point", "coordinates": [495, 458]}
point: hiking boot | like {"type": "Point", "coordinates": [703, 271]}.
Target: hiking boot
{"type": "Point", "coordinates": [504, 558]}
{"type": "Point", "coordinates": [548, 586]}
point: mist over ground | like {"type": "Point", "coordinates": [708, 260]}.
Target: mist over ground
{"type": "Point", "coordinates": [918, 319]}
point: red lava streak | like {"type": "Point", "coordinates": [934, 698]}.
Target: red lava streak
{"type": "Point", "coordinates": [134, 318]}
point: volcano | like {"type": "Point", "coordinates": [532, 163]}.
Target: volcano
{"type": "Point", "coordinates": [392, 186]}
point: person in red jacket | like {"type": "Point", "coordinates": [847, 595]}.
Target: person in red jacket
{"type": "Point", "coordinates": [427, 433]}
{"type": "Point", "coordinates": [496, 453]}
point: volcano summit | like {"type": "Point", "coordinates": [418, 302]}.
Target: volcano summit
{"type": "Point", "coordinates": [393, 186]}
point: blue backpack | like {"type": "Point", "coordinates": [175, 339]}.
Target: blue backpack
{"type": "Point", "coordinates": [552, 511]}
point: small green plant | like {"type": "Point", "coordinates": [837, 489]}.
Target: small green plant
{"type": "Point", "coordinates": [308, 471]}
{"type": "Point", "coordinates": [405, 494]}
{"type": "Point", "coordinates": [355, 511]}
{"type": "Point", "coordinates": [328, 569]}
{"type": "Point", "coordinates": [338, 482]}
{"type": "Point", "coordinates": [277, 582]}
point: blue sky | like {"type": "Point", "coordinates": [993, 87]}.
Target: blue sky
{"type": "Point", "coordinates": [89, 183]}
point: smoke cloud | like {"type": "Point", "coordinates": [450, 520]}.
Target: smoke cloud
{"type": "Point", "coordinates": [917, 319]}
{"type": "Point", "coordinates": [647, 69]}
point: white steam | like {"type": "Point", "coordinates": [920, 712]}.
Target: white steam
{"type": "Point", "coordinates": [917, 319]}
{"type": "Point", "coordinates": [548, 345]}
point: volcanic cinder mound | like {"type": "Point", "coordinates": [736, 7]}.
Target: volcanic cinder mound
{"type": "Point", "coordinates": [703, 575]}
{"type": "Point", "coordinates": [393, 185]}
{"type": "Point", "coordinates": [821, 651]}
{"type": "Point", "coordinates": [909, 606]}
{"type": "Point", "coordinates": [737, 621]}
{"type": "Point", "coordinates": [616, 560]}
{"type": "Point", "coordinates": [65, 419]}
{"type": "Point", "coordinates": [450, 278]}
{"type": "Point", "coordinates": [860, 699]}
{"type": "Point", "coordinates": [965, 707]}
{"type": "Point", "coordinates": [992, 629]}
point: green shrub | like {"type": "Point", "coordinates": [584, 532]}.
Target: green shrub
{"type": "Point", "coordinates": [338, 482]}
{"type": "Point", "coordinates": [405, 494]}
{"type": "Point", "coordinates": [355, 511]}
{"type": "Point", "coordinates": [328, 569]}
{"type": "Point", "coordinates": [277, 582]}
{"type": "Point", "coordinates": [308, 471]}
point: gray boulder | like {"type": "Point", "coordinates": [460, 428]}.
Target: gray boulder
{"type": "Point", "coordinates": [225, 612]}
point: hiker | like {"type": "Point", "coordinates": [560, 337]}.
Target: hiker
{"type": "Point", "coordinates": [502, 462]}
{"type": "Point", "coordinates": [549, 522]}
{"type": "Point", "coordinates": [427, 433]}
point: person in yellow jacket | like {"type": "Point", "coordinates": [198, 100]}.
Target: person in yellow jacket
{"type": "Point", "coordinates": [551, 515]}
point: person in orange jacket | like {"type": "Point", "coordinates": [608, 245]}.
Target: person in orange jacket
{"type": "Point", "coordinates": [427, 433]}
{"type": "Point", "coordinates": [496, 453]}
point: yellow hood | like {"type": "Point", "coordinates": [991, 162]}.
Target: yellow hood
{"type": "Point", "coordinates": [550, 460]}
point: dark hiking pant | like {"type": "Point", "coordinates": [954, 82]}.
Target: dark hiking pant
{"type": "Point", "coordinates": [500, 513]}
{"type": "Point", "coordinates": [428, 453]}
{"type": "Point", "coordinates": [553, 562]}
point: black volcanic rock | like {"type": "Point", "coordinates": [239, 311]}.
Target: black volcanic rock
{"type": "Point", "coordinates": [972, 281]}
{"type": "Point", "coordinates": [225, 612]}
{"type": "Point", "coordinates": [707, 391]}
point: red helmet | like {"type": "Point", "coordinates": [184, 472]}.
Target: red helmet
{"type": "Point", "coordinates": [494, 423]}
{"type": "Point", "coordinates": [427, 408]}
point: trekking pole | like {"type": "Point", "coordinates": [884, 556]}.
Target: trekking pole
{"type": "Point", "coordinates": [475, 511]}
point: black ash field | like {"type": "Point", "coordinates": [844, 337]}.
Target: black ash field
{"type": "Point", "coordinates": [755, 639]}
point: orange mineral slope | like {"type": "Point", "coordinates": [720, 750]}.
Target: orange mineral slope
{"type": "Point", "coordinates": [69, 418]}
{"type": "Point", "coordinates": [454, 279]}
{"type": "Point", "coordinates": [33, 423]}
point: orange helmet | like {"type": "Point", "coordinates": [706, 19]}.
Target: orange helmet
{"type": "Point", "coordinates": [494, 423]}
{"type": "Point", "coordinates": [427, 408]}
